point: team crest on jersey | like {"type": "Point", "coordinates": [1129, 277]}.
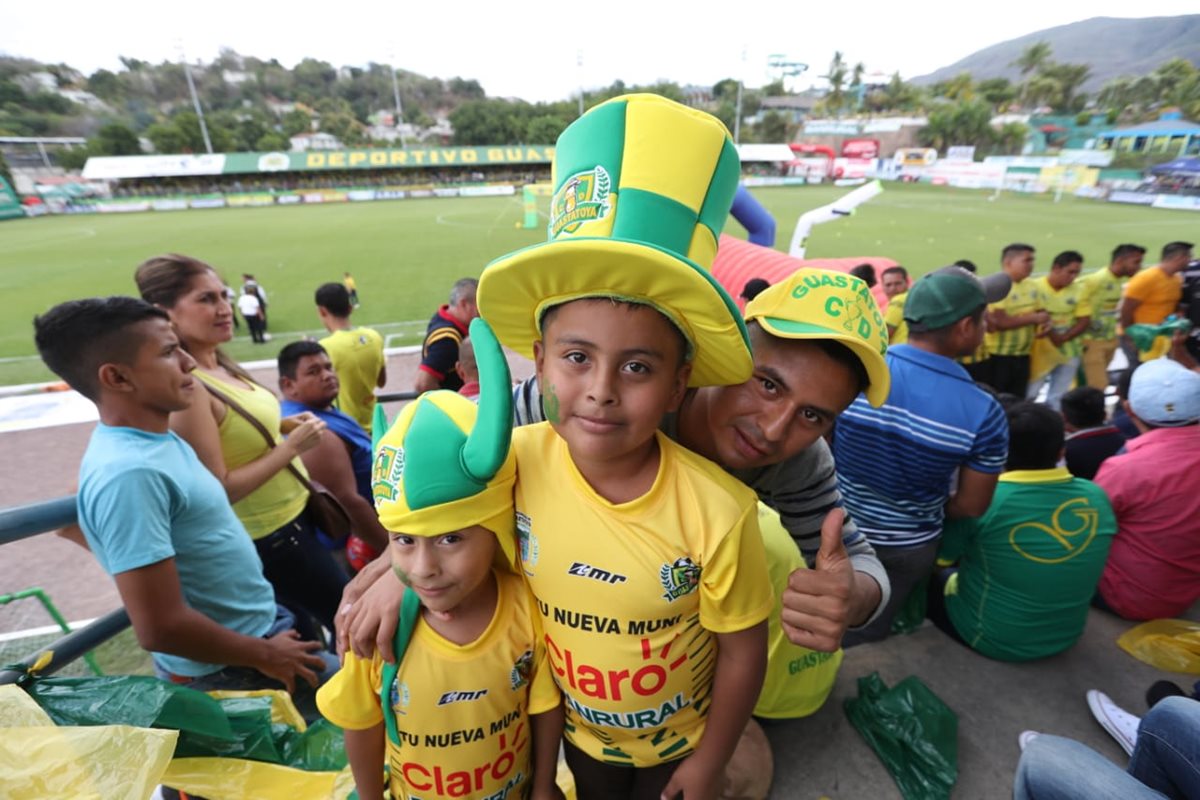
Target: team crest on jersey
{"type": "Point", "coordinates": [386, 473]}
{"type": "Point", "coordinates": [522, 670]}
{"type": "Point", "coordinates": [583, 197]}
{"type": "Point", "coordinates": [527, 540]}
{"type": "Point", "coordinates": [400, 697]}
{"type": "Point", "coordinates": [679, 578]}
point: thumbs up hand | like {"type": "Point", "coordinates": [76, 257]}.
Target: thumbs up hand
{"type": "Point", "coordinates": [816, 603]}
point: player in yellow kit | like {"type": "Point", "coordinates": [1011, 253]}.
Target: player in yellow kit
{"type": "Point", "coordinates": [645, 558]}
{"type": "Point", "coordinates": [463, 709]}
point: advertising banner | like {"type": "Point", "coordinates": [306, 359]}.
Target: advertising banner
{"type": "Point", "coordinates": [487, 191]}
{"type": "Point", "coordinates": [118, 167]}
{"type": "Point", "coordinates": [169, 204]}
{"type": "Point", "coordinates": [385, 158]}
{"type": "Point", "coordinates": [243, 200]}
{"type": "Point", "coordinates": [1177, 201]}
{"type": "Point", "coordinates": [1135, 198]}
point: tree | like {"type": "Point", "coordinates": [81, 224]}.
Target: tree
{"type": "Point", "coordinates": [296, 121]}
{"type": "Point", "coordinates": [5, 172]}
{"type": "Point", "coordinates": [105, 85]}
{"type": "Point", "coordinates": [773, 128]}
{"type": "Point", "coordinates": [114, 139]}
{"type": "Point", "coordinates": [1010, 138]}
{"type": "Point", "coordinates": [544, 129]}
{"type": "Point", "coordinates": [960, 124]}
{"type": "Point", "coordinates": [835, 98]}
{"type": "Point", "coordinates": [960, 88]}
{"type": "Point", "coordinates": [1033, 58]}
{"type": "Point", "coordinates": [999, 92]}
{"type": "Point", "coordinates": [271, 141]}
{"type": "Point", "coordinates": [1069, 78]}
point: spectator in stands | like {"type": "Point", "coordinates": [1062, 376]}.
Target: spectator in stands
{"type": "Point", "coordinates": [895, 286]}
{"type": "Point", "coordinates": [234, 426]}
{"type": "Point", "coordinates": [1027, 568]}
{"type": "Point", "coordinates": [896, 464]}
{"type": "Point", "coordinates": [1057, 354]}
{"type": "Point", "coordinates": [1163, 764]}
{"type": "Point", "coordinates": [1152, 295]}
{"type": "Point", "coordinates": [976, 364]}
{"type": "Point", "coordinates": [1103, 290]}
{"type": "Point", "coordinates": [1120, 415]}
{"type": "Point", "coordinates": [252, 310]}
{"type": "Point", "coordinates": [342, 462]}
{"type": "Point", "coordinates": [156, 520]}
{"type": "Point", "coordinates": [1154, 487]}
{"type": "Point", "coordinates": [467, 370]}
{"type": "Point", "coordinates": [866, 273]}
{"type": "Point", "coordinates": [1013, 322]}
{"type": "Point", "coordinates": [356, 352]}
{"type": "Point", "coordinates": [753, 288]}
{"type": "Point", "coordinates": [447, 329]}
{"type": "Point", "coordinates": [1191, 307]}
{"type": "Point", "coordinates": [1090, 439]}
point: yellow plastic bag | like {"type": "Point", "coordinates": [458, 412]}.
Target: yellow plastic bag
{"type": "Point", "coordinates": [1170, 644]}
{"type": "Point", "coordinates": [1043, 357]}
{"type": "Point", "coordinates": [283, 710]}
{"type": "Point", "coordinates": [239, 779]}
{"type": "Point", "coordinates": [39, 760]}
{"type": "Point", "coordinates": [798, 680]}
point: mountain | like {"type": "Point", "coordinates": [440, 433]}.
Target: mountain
{"type": "Point", "coordinates": [1111, 47]}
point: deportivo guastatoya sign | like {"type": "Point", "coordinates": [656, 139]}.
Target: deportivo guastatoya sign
{"type": "Point", "coordinates": [125, 167]}
{"type": "Point", "coordinates": [388, 158]}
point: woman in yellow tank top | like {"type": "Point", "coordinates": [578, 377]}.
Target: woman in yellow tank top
{"type": "Point", "coordinates": [268, 498]}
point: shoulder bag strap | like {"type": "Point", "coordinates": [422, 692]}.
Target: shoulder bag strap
{"type": "Point", "coordinates": [258, 426]}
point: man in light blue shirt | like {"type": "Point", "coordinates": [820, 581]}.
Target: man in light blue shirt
{"type": "Point", "coordinates": [155, 518]}
{"type": "Point", "coordinates": [934, 448]}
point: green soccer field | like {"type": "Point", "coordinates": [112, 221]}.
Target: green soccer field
{"type": "Point", "coordinates": [406, 254]}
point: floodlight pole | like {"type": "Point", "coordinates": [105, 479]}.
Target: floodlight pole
{"type": "Point", "coordinates": [396, 95]}
{"type": "Point", "coordinates": [187, 73]}
{"type": "Point", "coordinates": [737, 115]}
{"type": "Point", "coordinates": [187, 70]}
{"type": "Point", "coordinates": [579, 63]}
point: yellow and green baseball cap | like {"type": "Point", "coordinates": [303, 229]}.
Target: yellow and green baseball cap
{"type": "Point", "coordinates": [446, 463]}
{"type": "Point", "coordinates": [826, 304]}
{"type": "Point", "coordinates": [642, 188]}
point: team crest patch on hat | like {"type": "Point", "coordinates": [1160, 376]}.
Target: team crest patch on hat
{"type": "Point", "coordinates": [582, 198]}
{"type": "Point", "coordinates": [679, 578]}
{"type": "Point", "coordinates": [386, 473]}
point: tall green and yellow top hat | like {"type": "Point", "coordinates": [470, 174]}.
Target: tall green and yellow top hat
{"type": "Point", "coordinates": [446, 463]}
{"type": "Point", "coordinates": [642, 188]}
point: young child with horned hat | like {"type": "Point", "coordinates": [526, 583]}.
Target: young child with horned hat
{"type": "Point", "coordinates": [645, 558]}
{"type": "Point", "coordinates": [462, 710]}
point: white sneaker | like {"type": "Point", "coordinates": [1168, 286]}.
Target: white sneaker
{"type": "Point", "coordinates": [1025, 738]}
{"type": "Point", "coordinates": [1120, 724]}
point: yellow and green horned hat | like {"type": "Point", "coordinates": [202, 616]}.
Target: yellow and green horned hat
{"type": "Point", "coordinates": [446, 462]}
{"type": "Point", "coordinates": [642, 188]}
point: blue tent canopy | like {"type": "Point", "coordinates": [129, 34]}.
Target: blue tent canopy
{"type": "Point", "coordinates": [1180, 166]}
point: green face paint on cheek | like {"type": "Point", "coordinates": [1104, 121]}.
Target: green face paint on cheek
{"type": "Point", "coordinates": [402, 575]}
{"type": "Point", "coordinates": [550, 404]}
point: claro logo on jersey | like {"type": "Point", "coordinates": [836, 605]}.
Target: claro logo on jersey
{"type": "Point", "coordinates": [615, 684]}
{"type": "Point", "coordinates": [679, 578]}
{"type": "Point", "coordinates": [462, 783]}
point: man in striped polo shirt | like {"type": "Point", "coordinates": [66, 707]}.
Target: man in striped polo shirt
{"type": "Point", "coordinates": [1012, 323]}
{"type": "Point", "coordinates": [936, 446]}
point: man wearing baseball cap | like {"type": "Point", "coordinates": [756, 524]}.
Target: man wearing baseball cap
{"type": "Point", "coordinates": [1153, 569]}
{"type": "Point", "coordinates": [897, 463]}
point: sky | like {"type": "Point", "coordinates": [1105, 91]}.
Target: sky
{"type": "Point", "coordinates": [543, 51]}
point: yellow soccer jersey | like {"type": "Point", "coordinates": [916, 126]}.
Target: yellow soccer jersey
{"type": "Point", "coordinates": [357, 356]}
{"type": "Point", "coordinates": [798, 679]}
{"type": "Point", "coordinates": [1103, 292]}
{"type": "Point", "coordinates": [1065, 306]}
{"type": "Point", "coordinates": [632, 595]}
{"type": "Point", "coordinates": [894, 316]}
{"type": "Point", "coordinates": [462, 710]}
{"type": "Point", "coordinates": [1025, 297]}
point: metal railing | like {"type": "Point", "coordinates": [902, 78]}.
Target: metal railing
{"type": "Point", "coordinates": [23, 522]}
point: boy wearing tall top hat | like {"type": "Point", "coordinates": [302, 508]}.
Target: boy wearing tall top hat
{"type": "Point", "coordinates": [462, 710]}
{"type": "Point", "coordinates": [645, 558]}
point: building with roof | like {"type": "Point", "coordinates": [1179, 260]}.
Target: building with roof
{"type": "Point", "coordinates": [1171, 134]}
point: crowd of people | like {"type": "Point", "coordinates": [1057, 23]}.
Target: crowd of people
{"type": "Point", "coordinates": [592, 559]}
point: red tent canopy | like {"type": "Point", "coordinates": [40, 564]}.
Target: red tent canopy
{"type": "Point", "coordinates": [738, 261]}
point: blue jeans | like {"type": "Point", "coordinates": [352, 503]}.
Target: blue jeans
{"type": "Point", "coordinates": [1165, 762]}
{"type": "Point", "coordinates": [1060, 379]}
{"type": "Point", "coordinates": [248, 679]}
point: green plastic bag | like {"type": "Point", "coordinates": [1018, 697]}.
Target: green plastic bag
{"type": "Point", "coordinates": [912, 731]}
{"type": "Point", "coordinates": [137, 700]}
